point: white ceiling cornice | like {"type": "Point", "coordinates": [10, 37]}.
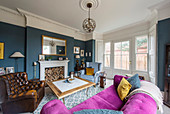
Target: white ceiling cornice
{"type": "Point", "coordinates": [23, 12]}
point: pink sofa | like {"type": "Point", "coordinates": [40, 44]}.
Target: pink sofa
{"type": "Point", "coordinates": [139, 103]}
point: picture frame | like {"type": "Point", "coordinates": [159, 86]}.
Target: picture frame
{"type": "Point", "coordinates": [89, 54]}
{"type": "Point", "coordinates": [41, 57]}
{"type": "Point", "coordinates": [82, 53]}
{"type": "Point", "coordinates": [10, 70]}
{"type": "Point", "coordinates": [76, 50]}
{"type": "Point", "coordinates": [1, 50]}
{"type": "Point", "coordinates": [2, 71]}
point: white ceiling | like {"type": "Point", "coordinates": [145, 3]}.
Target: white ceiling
{"type": "Point", "coordinates": [110, 15]}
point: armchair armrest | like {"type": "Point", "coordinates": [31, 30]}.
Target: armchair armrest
{"type": "Point", "coordinates": [82, 72]}
{"type": "Point", "coordinates": [97, 74]}
{"type": "Point", "coordinates": [36, 82]}
{"type": "Point", "coordinates": [54, 107]}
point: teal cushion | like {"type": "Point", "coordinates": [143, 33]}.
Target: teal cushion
{"type": "Point", "coordinates": [98, 111]}
{"type": "Point", "coordinates": [134, 81]}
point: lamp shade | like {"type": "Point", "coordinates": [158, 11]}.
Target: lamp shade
{"type": "Point", "coordinates": [17, 55]}
{"type": "Point", "coordinates": [77, 56]}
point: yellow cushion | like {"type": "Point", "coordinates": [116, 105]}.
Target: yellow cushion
{"type": "Point", "coordinates": [123, 88]}
{"type": "Point", "coordinates": [89, 71]}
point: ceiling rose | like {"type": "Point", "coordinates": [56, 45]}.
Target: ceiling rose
{"type": "Point", "coordinates": [83, 4]}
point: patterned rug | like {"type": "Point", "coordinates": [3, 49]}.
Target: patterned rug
{"type": "Point", "coordinates": [70, 101]}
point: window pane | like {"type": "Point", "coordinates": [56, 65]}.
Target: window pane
{"type": "Point", "coordinates": [125, 62]}
{"type": "Point", "coordinates": [117, 48]}
{"type": "Point", "coordinates": [117, 61]}
{"type": "Point", "coordinates": [125, 47]}
{"type": "Point", "coordinates": [107, 61]}
{"type": "Point", "coordinates": [107, 48]}
{"type": "Point", "coordinates": [141, 62]}
{"type": "Point", "coordinates": [142, 44]}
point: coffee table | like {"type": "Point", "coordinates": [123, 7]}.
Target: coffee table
{"type": "Point", "coordinates": [62, 89]}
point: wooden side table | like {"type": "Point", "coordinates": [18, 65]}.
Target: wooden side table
{"type": "Point", "coordinates": [102, 81]}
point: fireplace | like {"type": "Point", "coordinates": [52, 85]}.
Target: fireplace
{"type": "Point", "coordinates": [54, 73]}
{"type": "Point", "coordinates": [53, 70]}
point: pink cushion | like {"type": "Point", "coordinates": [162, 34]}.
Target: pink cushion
{"type": "Point", "coordinates": [140, 103]}
{"type": "Point", "coordinates": [117, 79]}
{"type": "Point", "coordinates": [54, 107]}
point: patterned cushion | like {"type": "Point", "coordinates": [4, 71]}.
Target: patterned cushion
{"type": "Point", "coordinates": [123, 88]}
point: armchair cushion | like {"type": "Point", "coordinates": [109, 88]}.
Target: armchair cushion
{"type": "Point", "coordinates": [89, 71]}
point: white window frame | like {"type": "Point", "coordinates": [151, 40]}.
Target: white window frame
{"type": "Point", "coordinates": [142, 53]}
{"type": "Point", "coordinates": [121, 54]}
{"type": "Point", "coordinates": [107, 54]}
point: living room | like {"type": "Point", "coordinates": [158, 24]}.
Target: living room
{"type": "Point", "coordinates": [126, 38]}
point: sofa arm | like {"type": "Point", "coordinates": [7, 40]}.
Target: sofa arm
{"type": "Point", "coordinates": [54, 107]}
{"type": "Point", "coordinates": [140, 103]}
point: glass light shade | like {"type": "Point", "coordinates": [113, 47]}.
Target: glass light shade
{"type": "Point", "coordinates": [89, 25]}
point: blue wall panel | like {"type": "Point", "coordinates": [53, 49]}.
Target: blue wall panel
{"type": "Point", "coordinates": [81, 44]}
{"type": "Point", "coordinates": [163, 38]}
{"type": "Point", "coordinates": [34, 48]}
{"type": "Point", "coordinates": [90, 47]}
{"type": "Point", "coordinates": [14, 38]}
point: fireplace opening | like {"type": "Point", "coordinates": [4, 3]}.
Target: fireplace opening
{"type": "Point", "coordinates": [54, 73]}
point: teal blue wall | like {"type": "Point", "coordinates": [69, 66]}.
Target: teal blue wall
{"type": "Point", "coordinates": [28, 42]}
{"type": "Point", "coordinates": [81, 44]}
{"type": "Point", "coordinates": [163, 30]}
{"type": "Point", "coordinates": [34, 48]}
{"type": "Point", "coordinates": [90, 47]}
{"type": "Point", "coordinates": [14, 39]}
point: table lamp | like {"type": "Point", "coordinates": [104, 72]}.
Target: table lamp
{"type": "Point", "coordinates": [17, 55]}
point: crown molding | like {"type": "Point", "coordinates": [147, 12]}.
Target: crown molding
{"type": "Point", "coordinates": [9, 10]}
{"type": "Point", "coordinates": [11, 16]}
{"type": "Point", "coordinates": [23, 12]}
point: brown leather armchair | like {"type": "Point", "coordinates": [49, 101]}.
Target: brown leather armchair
{"type": "Point", "coordinates": [18, 94]}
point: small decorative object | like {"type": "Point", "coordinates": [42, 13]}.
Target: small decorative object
{"type": "Point", "coordinates": [60, 58]}
{"type": "Point", "coordinates": [9, 70]}
{"type": "Point", "coordinates": [82, 63]}
{"type": "Point", "coordinates": [82, 53]}
{"type": "Point", "coordinates": [1, 50]}
{"type": "Point", "coordinates": [66, 58]}
{"type": "Point", "coordinates": [76, 50]}
{"type": "Point", "coordinates": [77, 68]}
{"type": "Point", "coordinates": [67, 81]}
{"type": "Point", "coordinates": [49, 58]}
{"type": "Point", "coordinates": [89, 54]}
{"type": "Point", "coordinates": [41, 57]}
{"type": "Point", "coordinates": [72, 75]}
{"type": "Point", "coordinates": [86, 54]}
{"type": "Point", "coordinates": [35, 64]}
{"type": "Point", "coordinates": [2, 71]}
{"type": "Point", "coordinates": [17, 55]}
{"type": "Point", "coordinates": [76, 74]}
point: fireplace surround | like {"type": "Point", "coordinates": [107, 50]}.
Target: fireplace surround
{"type": "Point", "coordinates": [54, 64]}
